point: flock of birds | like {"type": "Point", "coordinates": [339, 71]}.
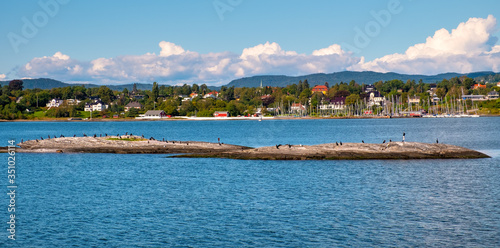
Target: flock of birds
{"type": "Point", "coordinates": [187, 143]}
{"type": "Point", "coordinates": [120, 137]}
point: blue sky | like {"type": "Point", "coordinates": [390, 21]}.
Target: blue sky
{"type": "Point", "coordinates": [113, 41]}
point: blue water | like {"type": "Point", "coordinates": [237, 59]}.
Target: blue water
{"type": "Point", "coordinates": [142, 200]}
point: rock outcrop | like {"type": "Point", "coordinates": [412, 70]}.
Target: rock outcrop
{"type": "Point", "coordinates": [333, 151]}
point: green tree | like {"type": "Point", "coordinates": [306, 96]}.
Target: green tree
{"type": "Point", "coordinates": [105, 94]}
{"type": "Point", "coordinates": [351, 99]}
{"type": "Point", "coordinates": [15, 85]}
{"type": "Point", "coordinates": [155, 91]}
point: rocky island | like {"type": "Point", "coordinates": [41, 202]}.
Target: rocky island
{"type": "Point", "coordinates": [347, 151]}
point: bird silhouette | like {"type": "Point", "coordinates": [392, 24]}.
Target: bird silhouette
{"type": "Point", "coordinates": [437, 141]}
{"type": "Point", "coordinates": [340, 142]}
{"type": "Point", "coordinates": [362, 141]}
{"type": "Point", "coordinates": [383, 142]}
{"type": "Point", "coordinates": [337, 143]}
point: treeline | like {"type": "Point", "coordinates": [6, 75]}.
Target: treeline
{"type": "Point", "coordinates": [16, 103]}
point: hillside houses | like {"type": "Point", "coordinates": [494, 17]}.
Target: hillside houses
{"type": "Point", "coordinates": [56, 102]}
{"type": "Point", "coordinates": [337, 103]}
{"type": "Point", "coordinates": [96, 106]}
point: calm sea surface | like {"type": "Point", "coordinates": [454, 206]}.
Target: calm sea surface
{"type": "Point", "coordinates": [109, 200]}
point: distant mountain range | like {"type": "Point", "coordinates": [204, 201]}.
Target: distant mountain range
{"type": "Point", "coordinates": [366, 77]}
{"type": "Point", "coordinates": [47, 83]}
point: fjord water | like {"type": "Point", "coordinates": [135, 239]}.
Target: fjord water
{"type": "Point", "coordinates": [143, 200]}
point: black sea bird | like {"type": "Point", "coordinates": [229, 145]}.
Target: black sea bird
{"type": "Point", "coordinates": [337, 143]}
{"type": "Point", "coordinates": [278, 146]}
{"type": "Point", "coordinates": [74, 135]}
{"type": "Point", "coordinates": [437, 141]}
{"type": "Point", "coordinates": [84, 135]}
{"type": "Point", "coordinates": [49, 136]}
{"type": "Point", "coordinates": [383, 142]}
{"type": "Point", "coordinates": [340, 142]}
{"type": "Point", "coordinates": [106, 134]}
{"type": "Point", "coordinates": [362, 141]}
{"type": "Point", "coordinates": [41, 138]}
{"type": "Point", "coordinates": [95, 135]}
{"type": "Point", "coordinates": [289, 146]}
{"type": "Point", "coordinates": [126, 133]}
{"type": "Point", "coordinates": [390, 140]}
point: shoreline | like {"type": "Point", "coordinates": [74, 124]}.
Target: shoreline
{"type": "Point", "coordinates": [226, 118]}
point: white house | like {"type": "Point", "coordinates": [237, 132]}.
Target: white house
{"type": "Point", "coordinates": [375, 99]}
{"type": "Point", "coordinates": [96, 106]}
{"type": "Point", "coordinates": [213, 94]}
{"type": "Point", "coordinates": [73, 101]}
{"type": "Point", "coordinates": [55, 103]}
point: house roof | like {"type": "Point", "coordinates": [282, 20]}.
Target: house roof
{"type": "Point", "coordinates": [134, 105]}
{"type": "Point", "coordinates": [320, 88]}
{"type": "Point", "coordinates": [154, 112]}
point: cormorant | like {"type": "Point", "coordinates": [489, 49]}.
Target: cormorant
{"type": "Point", "coordinates": [337, 143]}
{"type": "Point", "coordinates": [437, 141]}
{"type": "Point", "coordinates": [390, 140]}
{"type": "Point", "coordinates": [278, 146]}
{"type": "Point", "coordinates": [95, 135]}
{"type": "Point", "coordinates": [289, 146]}
{"type": "Point", "coordinates": [84, 135]}
{"type": "Point", "coordinates": [41, 138]}
{"type": "Point", "coordinates": [74, 135]}
{"type": "Point", "coordinates": [106, 134]}
{"type": "Point", "coordinates": [340, 142]}
{"type": "Point", "coordinates": [383, 142]}
{"type": "Point", "coordinates": [362, 141]}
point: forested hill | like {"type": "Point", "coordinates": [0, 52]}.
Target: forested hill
{"type": "Point", "coordinates": [47, 83]}
{"type": "Point", "coordinates": [366, 77]}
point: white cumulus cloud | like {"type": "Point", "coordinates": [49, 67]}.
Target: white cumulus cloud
{"type": "Point", "coordinates": [333, 49]}
{"type": "Point", "coordinates": [169, 48]}
{"type": "Point", "coordinates": [470, 47]}
{"type": "Point", "coordinates": [175, 64]}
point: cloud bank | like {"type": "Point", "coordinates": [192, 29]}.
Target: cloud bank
{"type": "Point", "coordinates": [469, 47]}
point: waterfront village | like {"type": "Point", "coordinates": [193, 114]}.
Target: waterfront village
{"type": "Point", "coordinates": [457, 97]}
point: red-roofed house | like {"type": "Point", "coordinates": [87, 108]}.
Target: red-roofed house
{"type": "Point", "coordinates": [320, 88]}
{"type": "Point", "coordinates": [478, 86]}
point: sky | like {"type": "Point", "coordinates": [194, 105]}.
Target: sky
{"type": "Point", "coordinates": [216, 41]}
